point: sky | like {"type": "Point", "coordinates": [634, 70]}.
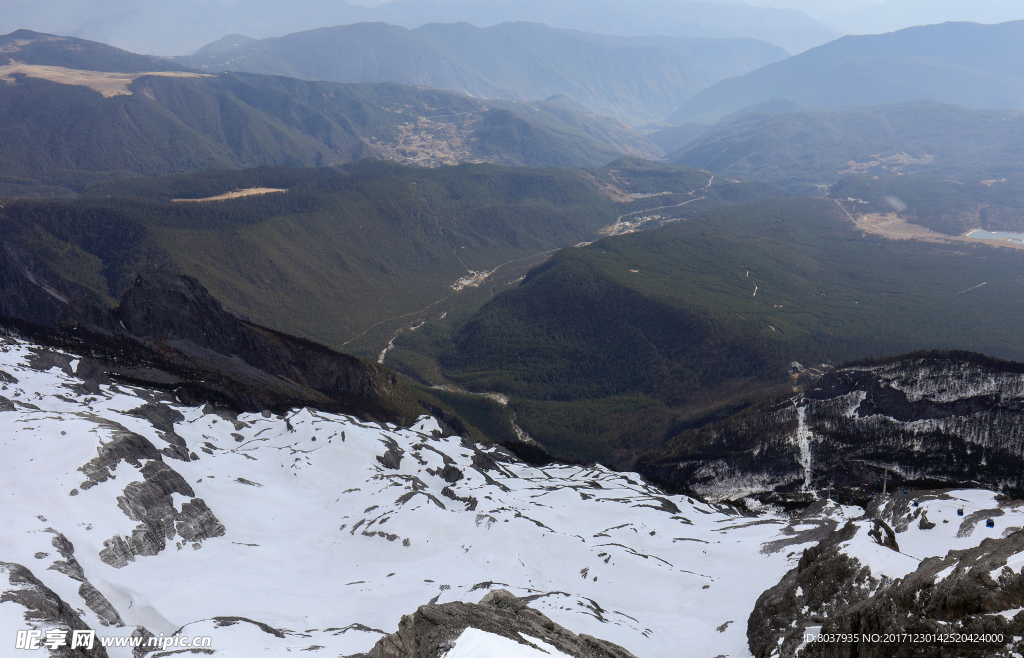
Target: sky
{"type": "Point", "coordinates": [861, 16]}
{"type": "Point", "coordinates": [159, 27]}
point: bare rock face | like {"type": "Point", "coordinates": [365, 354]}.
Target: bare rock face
{"type": "Point", "coordinates": [126, 446]}
{"type": "Point", "coordinates": [31, 292]}
{"type": "Point", "coordinates": [151, 503]}
{"type": "Point", "coordinates": [43, 609]}
{"type": "Point", "coordinates": [433, 629]}
{"type": "Point", "coordinates": [196, 521]}
{"type": "Point", "coordinates": [93, 598]}
{"type": "Point", "coordinates": [169, 332]}
{"type": "Point", "coordinates": [981, 597]}
{"type": "Point", "coordinates": [175, 312]}
{"type": "Point", "coordinates": [824, 582]}
{"type": "Point", "coordinates": [969, 592]}
{"type": "Point", "coordinates": [883, 535]}
{"type": "Point", "coordinates": [393, 457]}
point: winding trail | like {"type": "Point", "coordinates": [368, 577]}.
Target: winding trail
{"type": "Point", "coordinates": [974, 287]}
{"type": "Point", "coordinates": [617, 227]}
{"type": "Point", "coordinates": [398, 317]}
{"type": "Point", "coordinates": [479, 279]}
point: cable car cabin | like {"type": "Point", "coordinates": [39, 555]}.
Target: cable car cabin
{"type": "Point", "coordinates": [990, 523]}
{"type": "Point", "coordinates": [960, 512]}
{"type": "Point", "coordinates": [915, 503]}
{"type": "Point", "coordinates": [904, 492]}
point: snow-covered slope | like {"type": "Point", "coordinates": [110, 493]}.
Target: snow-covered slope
{"type": "Point", "coordinates": [312, 531]}
{"type": "Point", "coordinates": [475, 643]}
{"type": "Point", "coordinates": [278, 533]}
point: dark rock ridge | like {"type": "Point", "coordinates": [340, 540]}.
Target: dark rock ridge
{"type": "Point", "coordinates": [932, 419]}
{"type": "Point", "coordinates": [175, 312]}
{"type": "Point", "coordinates": [29, 292]}
{"type": "Point", "coordinates": [433, 629]}
{"type": "Point", "coordinates": [169, 333]}
{"type": "Point", "coordinates": [93, 598]}
{"type": "Point", "coordinates": [969, 591]}
{"type": "Point", "coordinates": [149, 501]}
{"type": "Point", "coordinates": [44, 609]}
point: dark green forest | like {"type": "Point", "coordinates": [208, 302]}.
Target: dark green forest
{"type": "Point", "coordinates": [344, 248]}
{"type": "Point", "coordinates": [603, 348]}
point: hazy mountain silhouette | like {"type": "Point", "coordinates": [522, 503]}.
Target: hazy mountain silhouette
{"type": "Point", "coordinates": [181, 27]}
{"type": "Point", "coordinates": [635, 79]}
{"type": "Point", "coordinates": [962, 63]}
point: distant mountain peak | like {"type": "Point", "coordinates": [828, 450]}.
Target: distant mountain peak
{"type": "Point", "coordinates": [967, 64]}
{"type": "Point", "coordinates": [40, 49]}
{"type": "Point", "coordinates": [227, 43]}
{"type": "Point", "coordinates": [636, 79]}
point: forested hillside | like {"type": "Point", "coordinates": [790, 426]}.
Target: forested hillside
{"type": "Point", "coordinates": [604, 347]}
{"type": "Point", "coordinates": [804, 150]}
{"type": "Point", "coordinates": [354, 252]}
{"type": "Point", "coordinates": [63, 126]}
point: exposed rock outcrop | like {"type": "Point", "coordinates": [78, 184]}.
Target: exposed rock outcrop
{"type": "Point", "coordinates": [169, 333]}
{"type": "Point", "coordinates": [175, 311]}
{"type": "Point", "coordinates": [30, 292]}
{"type": "Point", "coordinates": [43, 608]}
{"type": "Point", "coordinates": [151, 503]}
{"type": "Point", "coordinates": [433, 629]}
{"type": "Point", "coordinates": [967, 592]}
{"type": "Point", "coordinates": [93, 598]}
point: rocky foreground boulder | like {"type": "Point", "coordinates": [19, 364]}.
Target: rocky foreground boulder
{"type": "Point", "coordinates": [432, 630]}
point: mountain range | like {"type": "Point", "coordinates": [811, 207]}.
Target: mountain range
{"type": "Point", "coordinates": [965, 64]}
{"type": "Point", "coordinates": [946, 206]}
{"type": "Point", "coordinates": [305, 256]}
{"type": "Point", "coordinates": [160, 28]}
{"type": "Point", "coordinates": [930, 419]}
{"type": "Point", "coordinates": [635, 79]}
{"type": "Point", "coordinates": [142, 516]}
{"type": "Point", "coordinates": [64, 125]}
{"type": "Point", "coordinates": [892, 15]}
{"type": "Point", "coordinates": [603, 349]}
{"type": "Point", "coordinates": [368, 369]}
{"type": "Point", "coordinates": [806, 149]}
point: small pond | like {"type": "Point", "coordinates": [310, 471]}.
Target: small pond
{"type": "Point", "coordinates": [996, 235]}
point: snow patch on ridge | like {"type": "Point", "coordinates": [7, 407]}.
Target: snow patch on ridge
{"type": "Point", "coordinates": [474, 643]}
